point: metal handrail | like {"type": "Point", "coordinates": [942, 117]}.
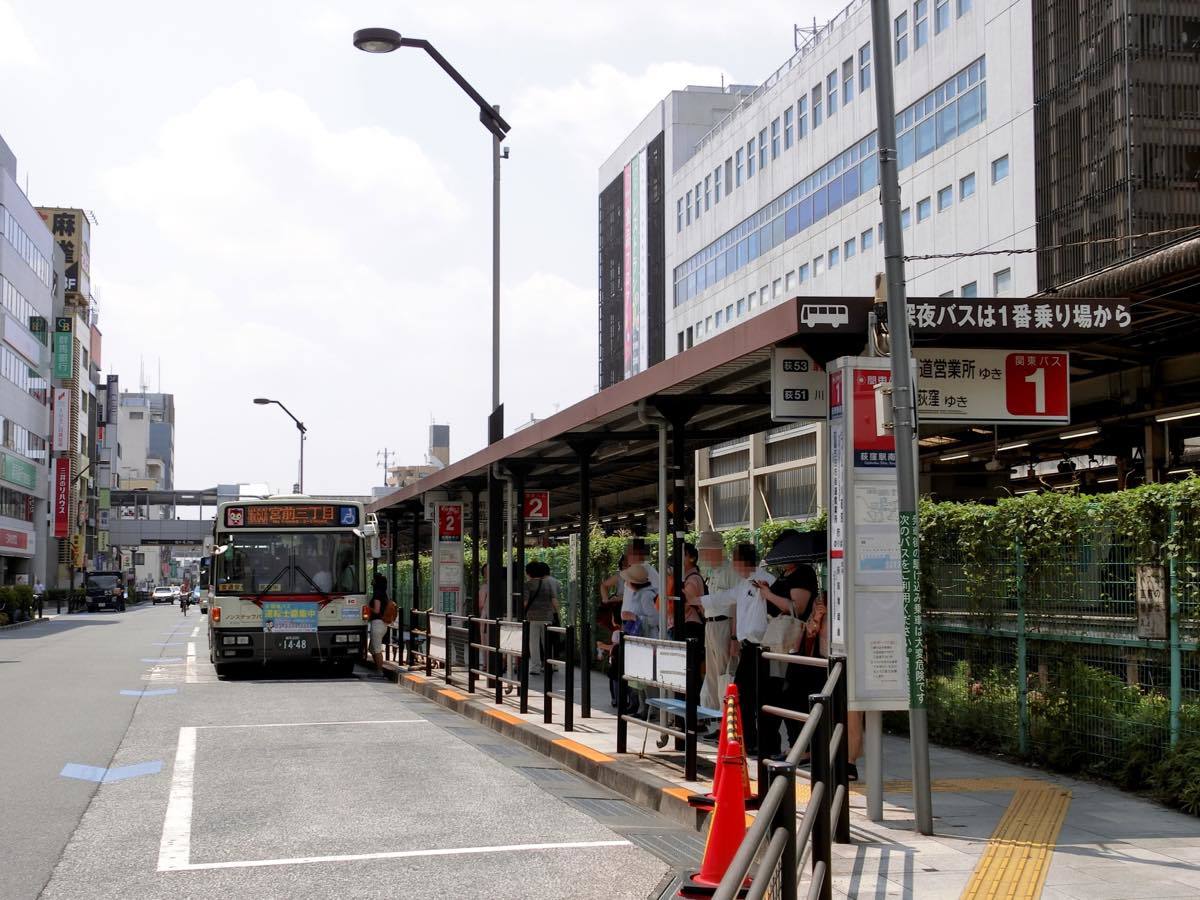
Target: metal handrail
{"type": "Point", "coordinates": [693, 655]}
{"type": "Point", "coordinates": [826, 815]}
{"type": "Point", "coordinates": [568, 666]}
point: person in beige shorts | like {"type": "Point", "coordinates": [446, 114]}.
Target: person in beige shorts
{"type": "Point", "coordinates": [718, 603]}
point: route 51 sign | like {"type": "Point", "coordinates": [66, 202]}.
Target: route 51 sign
{"type": "Point", "coordinates": [798, 386]}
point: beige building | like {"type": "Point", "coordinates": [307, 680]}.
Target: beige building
{"type": "Point", "coordinates": [768, 476]}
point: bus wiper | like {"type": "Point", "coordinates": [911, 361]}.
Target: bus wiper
{"type": "Point", "coordinates": [270, 584]}
{"type": "Point", "coordinates": [309, 579]}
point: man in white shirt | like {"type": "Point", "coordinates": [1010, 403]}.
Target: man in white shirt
{"type": "Point", "coordinates": [718, 615]}
{"type": "Point", "coordinates": [749, 625]}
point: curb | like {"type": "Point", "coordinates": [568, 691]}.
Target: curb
{"type": "Point", "coordinates": [24, 624]}
{"type": "Point", "coordinates": [639, 787]}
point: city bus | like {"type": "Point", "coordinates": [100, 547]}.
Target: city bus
{"type": "Point", "coordinates": [288, 582]}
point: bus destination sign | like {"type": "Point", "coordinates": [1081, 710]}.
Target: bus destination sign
{"type": "Point", "coordinates": [291, 515]}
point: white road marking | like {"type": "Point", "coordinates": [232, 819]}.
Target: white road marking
{"type": "Point", "coordinates": [190, 672]}
{"type": "Point", "coordinates": [176, 848]}
{"type": "Point", "coordinates": [309, 724]}
{"type": "Point", "coordinates": [400, 854]}
{"type": "Point", "coordinates": [196, 631]}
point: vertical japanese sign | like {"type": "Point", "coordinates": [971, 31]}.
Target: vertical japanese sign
{"type": "Point", "coordinates": [111, 399]}
{"type": "Point", "coordinates": [627, 266]}
{"type": "Point", "coordinates": [448, 556]}
{"type": "Point", "coordinates": [62, 496]}
{"type": "Point", "coordinates": [865, 590]}
{"type": "Point", "coordinates": [62, 420]}
{"type": "Point", "coordinates": [63, 347]}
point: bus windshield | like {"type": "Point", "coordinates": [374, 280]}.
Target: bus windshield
{"type": "Point", "coordinates": [290, 563]}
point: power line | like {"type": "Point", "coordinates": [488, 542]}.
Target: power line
{"type": "Point", "coordinates": [1019, 250]}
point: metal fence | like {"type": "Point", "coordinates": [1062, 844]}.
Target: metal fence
{"type": "Point", "coordinates": [1081, 655]}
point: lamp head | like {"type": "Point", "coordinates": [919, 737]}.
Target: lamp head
{"type": "Point", "coordinates": [262, 401]}
{"type": "Point", "coordinates": [377, 40]}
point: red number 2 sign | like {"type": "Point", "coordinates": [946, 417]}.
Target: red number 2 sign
{"type": "Point", "coordinates": [450, 518]}
{"type": "Point", "coordinates": [537, 505]}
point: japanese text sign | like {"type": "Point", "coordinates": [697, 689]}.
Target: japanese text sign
{"type": "Point", "coordinates": [449, 521]}
{"type": "Point", "coordinates": [798, 386]}
{"type": "Point", "coordinates": [983, 386]}
{"type": "Point", "coordinates": [1042, 315]}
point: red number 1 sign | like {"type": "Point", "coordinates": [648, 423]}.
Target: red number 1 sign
{"type": "Point", "coordinates": [537, 506]}
{"type": "Point", "coordinates": [1037, 384]}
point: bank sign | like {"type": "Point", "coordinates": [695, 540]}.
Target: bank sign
{"type": "Point", "coordinates": [993, 386]}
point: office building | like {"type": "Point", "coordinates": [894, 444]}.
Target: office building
{"type": "Point", "coordinates": [146, 426]}
{"type": "Point", "coordinates": [780, 197]}
{"type": "Point", "coordinates": [437, 457]}
{"type": "Point", "coordinates": [31, 269]}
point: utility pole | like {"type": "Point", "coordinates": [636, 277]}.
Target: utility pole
{"type": "Point", "coordinates": [904, 410]}
{"type": "Point", "coordinates": [385, 456]}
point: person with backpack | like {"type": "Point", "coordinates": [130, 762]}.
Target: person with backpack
{"type": "Point", "coordinates": [382, 614]}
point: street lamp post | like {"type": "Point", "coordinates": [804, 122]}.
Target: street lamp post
{"type": "Point", "coordinates": [385, 40]}
{"type": "Point", "coordinates": [263, 401]}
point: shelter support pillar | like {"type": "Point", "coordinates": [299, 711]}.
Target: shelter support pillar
{"type": "Point", "coordinates": [678, 413]}
{"type": "Point", "coordinates": [416, 558]}
{"type": "Point", "coordinates": [497, 585]}
{"type": "Point", "coordinates": [474, 583]}
{"type": "Point", "coordinates": [518, 577]}
{"type": "Point", "coordinates": [587, 647]}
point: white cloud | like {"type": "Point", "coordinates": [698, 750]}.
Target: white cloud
{"type": "Point", "coordinates": [16, 49]}
{"type": "Point", "coordinates": [595, 113]}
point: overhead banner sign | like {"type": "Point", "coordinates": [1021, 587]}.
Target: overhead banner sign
{"type": "Point", "coordinates": [62, 420]}
{"type": "Point", "coordinates": [799, 386]}
{"type": "Point", "coordinates": [63, 347]}
{"type": "Point", "coordinates": [111, 398]}
{"type": "Point", "coordinates": [1041, 316]}
{"type": "Point", "coordinates": [993, 386]}
{"type": "Point", "coordinates": [62, 496]}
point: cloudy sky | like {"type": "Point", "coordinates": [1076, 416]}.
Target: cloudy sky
{"type": "Point", "coordinates": [282, 215]}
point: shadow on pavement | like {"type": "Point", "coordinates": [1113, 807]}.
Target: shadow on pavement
{"type": "Point", "coordinates": [58, 625]}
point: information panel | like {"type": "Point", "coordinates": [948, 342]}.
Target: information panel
{"type": "Point", "coordinates": [291, 515]}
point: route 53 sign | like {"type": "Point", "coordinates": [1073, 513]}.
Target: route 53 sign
{"type": "Point", "coordinates": [799, 388]}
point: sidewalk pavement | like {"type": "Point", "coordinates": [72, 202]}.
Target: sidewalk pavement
{"type": "Point", "coordinates": [1000, 830]}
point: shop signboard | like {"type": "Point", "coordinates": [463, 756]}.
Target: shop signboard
{"type": "Point", "coordinates": [64, 344]}
{"type": "Point", "coordinates": [62, 496]}
{"type": "Point", "coordinates": [19, 472]}
{"type": "Point", "coordinates": [62, 420]}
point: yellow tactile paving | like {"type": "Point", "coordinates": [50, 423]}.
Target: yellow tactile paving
{"type": "Point", "coordinates": [961, 785]}
{"type": "Point", "coordinates": [1017, 858]}
{"type": "Point", "coordinates": [584, 751]}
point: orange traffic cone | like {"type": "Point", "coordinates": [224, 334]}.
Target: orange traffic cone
{"type": "Point", "coordinates": [726, 829]}
{"type": "Point", "coordinates": [731, 723]}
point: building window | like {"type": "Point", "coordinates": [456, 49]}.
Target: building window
{"type": "Point", "coordinates": [728, 174]}
{"type": "Point", "coordinates": [999, 169]}
{"type": "Point", "coordinates": [1001, 282]}
{"type": "Point", "coordinates": [682, 346]}
{"type": "Point", "coordinates": [901, 33]}
{"type": "Point", "coordinates": [717, 185]}
{"type": "Point", "coordinates": [762, 149]}
{"type": "Point", "coordinates": [834, 255]}
{"type": "Point", "coordinates": [699, 201]}
{"type": "Point", "coordinates": [946, 294]}
{"type": "Point", "coordinates": [730, 503]}
{"type": "Point", "coordinates": [920, 24]}
{"type": "Point", "coordinates": [966, 186]}
{"type": "Point", "coordinates": [831, 83]}
{"type": "Point", "coordinates": [945, 197]}
{"type": "Point", "coordinates": [848, 249]}
{"type": "Point", "coordinates": [679, 215]}
{"type": "Point", "coordinates": [788, 115]}
{"type": "Point", "coordinates": [867, 239]}
{"type": "Point", "coordinates": [737, 167]}
{"type": "Point", "coordinates": [924, 209]}
{"type": "Point", "coordinates": [707, 192]}
{"type": "Point", "coordinates": [691, 337]}
{"type": "Point", "coordinates": [816, 106]}
{"type": "Point", "coordinates": [776, 288]}
{"type": "Point", "coordinates": [720, 315]}
{"type": "Point", "coordinates": [847, 81]}
{"type": "Point", "coordinates": [964, 7]}
{"type": "Point", "coordinates": [750, 158]}
{"type": "Point", "coordinates": [864, 67]}
{"type": "Point", "coordinates": [775, 139]}
{"type": "Point", "coordinates": [708, 325]}
{"type": "Point", "coordinates": [762, 295]}
{"type": "Point", "coordinates": [970, 290]}
{"type": "Point", "coordinates": [906, 217]}
{"type": "Point", "coordinates": [728, 313]}
{"type": "Point", "coordinates": [689, 207]}
{"type": "Point", "coordinates": [802, 273]}
{"type": "Point", "coordinates": [789, 281]}
{"type": "Point", "coordinates": [741, 306]}
{"type": "Point", "coordinates": [941, 16]}
{"type": "Point", "coordinates": [818, 266]}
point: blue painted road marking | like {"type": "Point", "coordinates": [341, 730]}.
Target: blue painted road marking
{"type": "Point", "coordinates": [107, 776]}
{"type": "Point", "coordinates": [162, 659]}
{"type": "Point", "coordinates": [160, 692]}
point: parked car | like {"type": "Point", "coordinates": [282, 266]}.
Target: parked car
{"type": "Point", "coordinates": [105, 589]}
{"type": "Point", "coordinates": [163, 594]}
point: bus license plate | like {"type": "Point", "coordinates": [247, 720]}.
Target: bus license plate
{"type": "Point", "coordinates": [291, 643]}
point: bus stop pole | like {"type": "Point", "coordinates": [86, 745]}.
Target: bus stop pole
{"type": "Point", "coordinates": [903, 408]}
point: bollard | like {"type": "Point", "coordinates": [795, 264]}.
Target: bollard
{"type": "Point", "coordinates": [785, 818]}
{"type": "Point", "coordinates": [569, 687]}
{"type": "Point", "coordinates": [695, 659]}
{"type": "Point", "coordinates": [523, 667]}
{"type": "Point", "coordinates": [585, 689]}
{"type": "Point", "coordinates": [428, 647]}
{"type": "Point", "coordinates": [822, 850]}
{"type": "Point", "coordinates": [547, 687]}
{"type": "Point", "coordinates": [499, 661]}
{"type": "Point", "coordinates": [622, 691]}
{"type": "Point", "coordinates": [472, 658]}
{"type": "Point", "coordinates": [841, 760]}
{"type": "Point", "coordinates": [761, 680]}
